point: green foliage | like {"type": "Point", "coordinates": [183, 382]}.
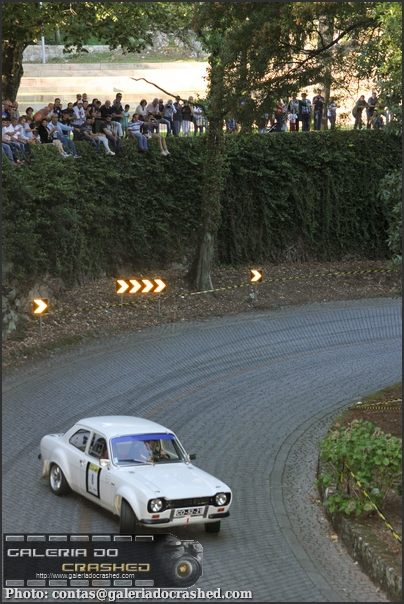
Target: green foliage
{"type": "Point", "coordinates": [315, 194]}
{"type": "Point", "coordinates": [315, 191]}
{"type": "Point", "coordinates": [390, 191]}
{"type": "Point", "coordinates": [374, 457]}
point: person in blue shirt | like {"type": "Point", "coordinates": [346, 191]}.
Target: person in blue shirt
{"type": "Point", "coordinates": [57, 130]}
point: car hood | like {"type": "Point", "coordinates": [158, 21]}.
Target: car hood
{"type": "Point", "coordinates": [176, 481]}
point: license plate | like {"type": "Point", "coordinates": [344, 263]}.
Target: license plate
{"type": "Point", "coordinates": [188, 512]}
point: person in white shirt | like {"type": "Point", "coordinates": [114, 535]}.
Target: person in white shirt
{"type": "Point", "coordinates": [79, 114]}
{"type": "Point", "coordinates": [292, 117]}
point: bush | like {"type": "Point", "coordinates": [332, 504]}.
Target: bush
{"type": "Point", "coordinates": [374, 457]}
{"type": "Point", "coordinates": [312, 193]}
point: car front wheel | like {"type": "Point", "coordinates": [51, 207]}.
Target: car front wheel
{"type": "Point", "coordinates": [212, 527]}
{"type": "Point", "coordinates": [57, 481]}
{"type": "Point", "coordinates": [127, 523]}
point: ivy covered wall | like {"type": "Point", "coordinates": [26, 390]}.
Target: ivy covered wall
{"type": "Point", "coordinates": [296, 196]}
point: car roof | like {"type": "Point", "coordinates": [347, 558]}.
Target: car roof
{"type": "Point", "coordinates": [120, 425]}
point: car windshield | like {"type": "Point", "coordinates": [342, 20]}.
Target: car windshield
{"type": "Point", "coordinates": [146, 449]}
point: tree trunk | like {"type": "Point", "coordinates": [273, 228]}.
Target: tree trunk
{"type": "Point", "coordinates": [12, 70]}
{"type": "Point", "coordinates": [326, 29]}
{"type": "Point", "coordinates": [198, 276]}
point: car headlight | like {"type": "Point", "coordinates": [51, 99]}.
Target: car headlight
{"type": "Point", "coordinates": [156, 505]}
{"type": "Point", "coordinates": [221, 499]}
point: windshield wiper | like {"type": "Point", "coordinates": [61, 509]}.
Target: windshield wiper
{"type": "Point", "coordinates": [135, 460]}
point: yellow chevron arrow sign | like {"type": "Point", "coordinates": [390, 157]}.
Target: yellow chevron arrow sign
{"type": "Point", "coordinates": [136, 286]}
{"type": "Point", "coordinates": [121, 286]}
{"type": "Point", "coordinates": [149, 286]}
{"type": "Point", "coordinates": [41, 306]}
{"type": "Point", "coordinates": [256, 276]}
{"type": "Point", "coordinates": [160, 286]}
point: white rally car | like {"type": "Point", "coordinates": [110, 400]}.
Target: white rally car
{"type": "Point", "coordinates": [138, 470]}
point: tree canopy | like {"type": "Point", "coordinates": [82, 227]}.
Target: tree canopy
{"type": "Point", "coordinates": [127, 24]}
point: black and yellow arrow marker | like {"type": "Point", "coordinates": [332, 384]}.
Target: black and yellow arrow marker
{"type": "Point", "coordinates": [220, 289]}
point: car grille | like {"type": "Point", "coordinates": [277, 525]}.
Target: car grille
{"type": "Point", "coordinates": [186, 503]}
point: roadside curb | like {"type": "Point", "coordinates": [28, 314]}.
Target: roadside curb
{"type": "Point", "coordinates": [372, 555]}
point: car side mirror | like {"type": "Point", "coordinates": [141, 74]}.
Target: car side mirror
{"type": "Point", "coordinates": [104, 463]}
{"type": "Point", "coordinates": [192, 456]}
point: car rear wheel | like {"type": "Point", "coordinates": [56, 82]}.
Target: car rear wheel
{"type": "Point", "coordinates": [128, 521]}
{"type": "Point", "coordinates": [212, 527]}
{"type": "Point", "coordinates": [57, 481]}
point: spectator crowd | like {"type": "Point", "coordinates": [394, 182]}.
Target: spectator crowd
{"type": "Point", "coordinates": [104, 125]}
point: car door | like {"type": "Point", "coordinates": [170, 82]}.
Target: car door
{"type": "Point", "coordinates": [78, 443]}
{"type": "Point", "coordinates": [95, 480]}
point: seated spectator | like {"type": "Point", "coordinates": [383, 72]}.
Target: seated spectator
{"type": "Point", "coordinates": [28, 124]}
{"type": "Point", "coordinates": [106, 109]}
{"type": "Point", "coordinates": [8, 145]}
{"type": "Point", "coordinates": [57, 131]}
{"type": "Point", "coordinates": [20, 136]}
{"type": "Point", "coordinates": [376, 120]}
{"type": "Point", "coordinates": [42, 114]}
{"type": "Point", "coordinates": [14, 110]}
{"type": "Point", "coordinates": [66, 119]}
{"type": "Point", "coordinates": [169, 111]}
{"type": "Point", "coordinates": [161, 140]}
{"type": "Point", "coordinates": [142, 111]}
{"type": "Point", "coordinates": [10, 137]}
{"type": "Point", "coordinates": [87, 134]}
{"type": "Point", "coordinates": [96, 114]}
{"type": "Point", "coordinates": [46, 139]}
{"type": "Point", "coordinates": [70, 109]}
{"type": "Point", "coordinates": [6, 112]}
{"type": "Point", "coordinates": [134, 127]}
{"type": "Point", "coordinates": [8, 152]}
{"type": "Point", "coordinates": [107, 129]}
{"type": "Point", "coordinates": [153, 110]}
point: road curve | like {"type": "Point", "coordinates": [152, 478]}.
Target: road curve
{"type": "Point", "coordinates": [251, 396]}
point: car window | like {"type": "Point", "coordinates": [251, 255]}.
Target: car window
{"type": "Point", "coordinates": [146, 449]}
{"type": "Point", "coordinates": [98, 446]}
{"type": "Point", "coordinates": [79, 439]}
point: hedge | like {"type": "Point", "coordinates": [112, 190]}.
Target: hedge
{"type": "Point", "coordinates": [294, 196]}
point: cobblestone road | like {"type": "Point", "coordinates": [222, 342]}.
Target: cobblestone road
{"type": "Point", "coordinates": [251, 396]}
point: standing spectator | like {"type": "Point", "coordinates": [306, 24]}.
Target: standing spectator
{"type": "Point", "coordinates": [332, 112]}
{"type": "Point", "coordinates": [163, 120]}
{"type": "Point", "coordinates": [193, 119]}
{"type": "Point", "coordinates": [305, 112]}
{"type": "Point", "coordinates": [107, 129]}
{"type": "Point", "coordinates": [169, 111]}
{"type": "Point", "coordinates": [57, 108]}
{"type": "Point", "coordinates": [78, 98]}
{"type": "Point", "coordinates": [117, 115]}
{"type": "Point", "coordinates": [294, 104]}
{"type": "Point", "coordinates": [177, 118]}
{"type": "Point", "coordinates": [199, 121]}
{"type": "Point", "coordinates": [70, 109]}
{"type": "Point", "coordinates": [57, 131]}
{"type": "Point", "coordinates": [186, 118]}
{"type": "Point", "coordinates": [318, 105]}
{"type": "Point", "coordinates": [125, 120]}
{"type": "Point", "coordinates": [359, 106]}
{"type": "Point", "coordinates": [292, 117]}
{"type": "Point", "coordinates": [96, 114]}
{"type": "Point", "coordinates": [372, 104]}
{"type": "Point", "coordinates": [279, 115]}
{"type": "Point", "coordinates": [79, 116]}
{"type": "Point", "coordinates": [134, 127]}
{"type": "Point", "coordinates": [231, 124]}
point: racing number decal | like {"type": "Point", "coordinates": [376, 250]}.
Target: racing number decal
{"type": "Point", "coordinates": [93, 479]}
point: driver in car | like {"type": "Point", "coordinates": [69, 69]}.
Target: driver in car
{"type": "Point", "coordinates": [155, 451]}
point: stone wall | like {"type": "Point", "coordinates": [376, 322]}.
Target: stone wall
{"type": "Point", "coordinates": [33, 54]}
